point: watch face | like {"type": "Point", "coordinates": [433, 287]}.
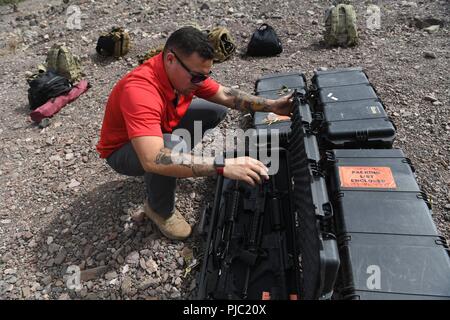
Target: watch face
{"type": "Point", "coordinates": [219, 161]}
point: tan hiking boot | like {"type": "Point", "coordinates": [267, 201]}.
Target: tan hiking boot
{"type": "Point", "coordinates": [175, 227]}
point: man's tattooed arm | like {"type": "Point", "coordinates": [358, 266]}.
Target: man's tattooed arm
{"type": "Point", "coordinates": [246, 102]}
{"type": "Point", "coordinates": [199, 166]}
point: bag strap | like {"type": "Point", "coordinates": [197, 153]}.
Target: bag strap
{"type": "Point", "coordinates": [350, 23]}
{"type": "Point", "coordinates": [121, 43]}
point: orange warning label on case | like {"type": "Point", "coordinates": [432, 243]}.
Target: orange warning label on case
{"type": "Point", "coordinates": [367, 177]}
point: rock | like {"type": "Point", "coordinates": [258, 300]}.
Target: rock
{"type": "Point", "coordinates": [429, 55]}
{"type": "Point", "coordinates": [447, 206]}
{"type": "Point", "coordinates": [125, 269]}
{"type": "Point", "coordinates": [44, 123]}
{"type": "Point", "coordinates": [138, 216]}
{"type": "Point", "coordinates": [187, 254]}
{"type": "Point", "coordinates": [93, 273]}
{"type": "Point", "coordinates": [6, 287]}
{"type": "Point", "coordinates": [10, 271]}
{"type": "Point", "coordinates": [101, 256]}
{"type": "Point", "coordinates": [111, 275]}
{"type": "Point", "coordinates": [91, 296]}
{"type": "Point", "coordinates": [126, 287]}
{"type": "Point", "coordinates": [73, 184]}
{"type": "Point", "coordinates": [27, 235]}
{"type": "Point", "coordinates": [7, 257]}
{"type": "Point", "coordinates": [310, 12]}
{"type": "Point", "coordinates": [11, 279]}
{"type": "Point", "coordinates": [432, 29]}
{"type": "Point", "coordinates": [64, 296]}
{"type": "Point", "coordinates": [147, 283]}
{"type": "Point", "coordinates": [61, 256]}
{"type": "Point", "coordinates": [125, 218]}
{"type": "Point", "coordinates": [50, 262]}
{"type": "Point", "coordinates": [204, 6]}
{"type": "Point", "coordinates": [46, 280]}
{"type": "Point", "coordinates": [5, 221]}
{"type": "Point", "coordinates": [437, 103]}
{"type": "Point", "coordinates": [430, 98]}
{"type": "Point", "coordinates": [151, 266]}
{"type": "Point", "coordinates": [26, 292]}
{"type": "Point", "coordinates": [49, 141]}
{"type": "Point", "coordinates": [69, 156]}
{"type": "Point", "coordinates": [409, 4]}
{"type": "Point", "coordinates": [88, 249]}
{"type": "Point", "coordinates": [55, 158]}
{"type": "Point", "coordinates": [142, 263]}
{"type": "Point", "coordinates": [422, 23]}
{"type": "Point", "coordinates": [53, 248]}
{"type": "Point", "coordinates": [178, 281]}
{"type": "Point", "coordinates": [132, 258]}
{"type": "Point", "coordinates": [230, 10]}
{"type": "Point", "coordinates": [49, 240]}
{"type": "Point", "coordinates": [30, 35]}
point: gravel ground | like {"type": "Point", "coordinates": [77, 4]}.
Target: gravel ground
{"type": "Point", "coordinates": [63, 206]}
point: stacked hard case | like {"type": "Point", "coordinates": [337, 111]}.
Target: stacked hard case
{"type": "Point", "coordinates": [388, 243]}
{"type": "Point", "coordinates": [274, 87]}
{"type": "Point", "coordinates": [353, 114]}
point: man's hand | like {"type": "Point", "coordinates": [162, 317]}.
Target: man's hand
{"type": "Point", "coordinates": [245, 169]}
{"type": "Point", "coordinates": [283, 106]}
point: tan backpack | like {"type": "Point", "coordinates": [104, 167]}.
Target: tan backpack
{"type": "Point", "coordinates": [64, 63]}
{"type": "Point", "coordinates": [116, 43]}
{"type": "Point", "coordinates": [340, 26]}
{"type": "Point", "coordinates": [222, 42]}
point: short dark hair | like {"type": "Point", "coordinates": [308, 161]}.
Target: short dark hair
{"type": "Point", "coordinates": [187, 40]}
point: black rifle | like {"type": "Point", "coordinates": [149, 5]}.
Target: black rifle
{"type": "Point", "coordinates": [227, 233]}
{"type": "Point", "coordinates": [256, 225]}
{"type": "Point", "coordinates": [280, 239]}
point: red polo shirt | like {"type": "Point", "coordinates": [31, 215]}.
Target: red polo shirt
{"type": "Point", "coordinates": [141, 104]}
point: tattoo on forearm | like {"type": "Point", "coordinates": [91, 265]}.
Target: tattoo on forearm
{"type": "Point", "coordinates": [164, 157]}
{"type": "Point", "coordinates": [199, 167]}
{"type": "Point", "coordinates": [246, 102]}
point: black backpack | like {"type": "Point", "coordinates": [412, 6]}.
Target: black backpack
{"type": "Point", "coordinates": [264, 42]}
{"type": "Point", "coordinates": [45, 86]}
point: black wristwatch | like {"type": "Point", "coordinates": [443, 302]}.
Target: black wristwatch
{"type": "Point", "coordinates": [219, 164]}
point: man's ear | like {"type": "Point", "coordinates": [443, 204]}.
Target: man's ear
{"type": "Point", "coordinates": [170, 57]}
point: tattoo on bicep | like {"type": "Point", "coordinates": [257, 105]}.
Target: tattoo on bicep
{"type": "Point", "coordinates": [245, 102]}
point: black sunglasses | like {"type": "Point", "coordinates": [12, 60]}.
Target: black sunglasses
{"type": "Point", "coordinates": [195, 76]}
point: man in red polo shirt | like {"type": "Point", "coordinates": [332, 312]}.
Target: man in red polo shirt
{"type": "Point", "coordinates": [153, 100]}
